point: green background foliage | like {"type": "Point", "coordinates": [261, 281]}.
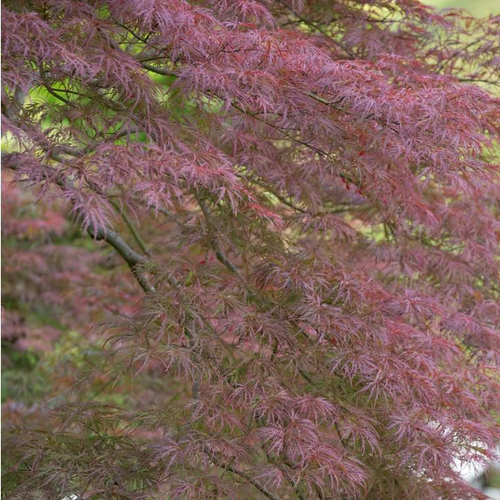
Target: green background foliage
{"type": "Point", "coordinates": [476, 7]}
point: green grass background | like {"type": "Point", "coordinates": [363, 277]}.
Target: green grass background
{"type": "Point", "coordinates": [476, 7]}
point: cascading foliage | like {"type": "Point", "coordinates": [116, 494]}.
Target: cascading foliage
{"type": "Point", "coordinates": [307, 193]}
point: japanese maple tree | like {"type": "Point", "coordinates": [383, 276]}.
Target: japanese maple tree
{"type": "Point", "coordinates": [306, 193]}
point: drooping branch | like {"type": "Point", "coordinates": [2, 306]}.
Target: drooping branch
{"type": "Point", "coordinates": [289, 203]}
{"type": "Point", "coordinates": [248, 478]}
{"type": "Point", "coordinates": [132, 258]}
{"type": "Point", "coordinates": [95, 230]}
{"type": "Point", "coordinates": [315, 27]}
{"type": "Point", "coordinates": [131, 226]}
{"type": "Point", "coordinates": [221, 257]}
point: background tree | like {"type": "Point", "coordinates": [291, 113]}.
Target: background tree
{"type": "Point", "coordinates": [306, 193]}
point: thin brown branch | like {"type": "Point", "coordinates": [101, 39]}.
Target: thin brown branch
{"type": "Point", "coordinates": [248, 478]}
{"type": "Point", "coordinates": [221, 257]}
{"type": "Point", "coordinates": [295, 207]}
{"type": "Point", "coordinates": [51, 91]}
{"type": "Point", "coordinates": [98, 231]}
{"type": "Point", "coordinates": [315, 27]}
{"type": "Point", "coordinates": [158, 71]}
{"type": "Point", "coordinates": [133, 230]}
{"type": "Point", "coordinates": [132, 258]}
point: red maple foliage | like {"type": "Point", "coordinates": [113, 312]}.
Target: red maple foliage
{"type": "Point", "coordinates": [307, 193]}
